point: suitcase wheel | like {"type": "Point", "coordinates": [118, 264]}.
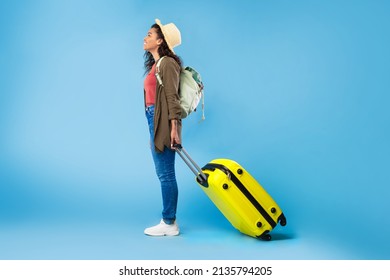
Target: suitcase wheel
{"type": "Point", "coordinates": [273, 210]}
{"type": "Point", "coordinates": [282, 220]}
{"type": "Point", "coordinates": [259, 224]}
{"type": "Point", "coordinates": [239, 171]}
{"type": "Point", "coordinates": [225, 186]}
{"type": "Point", "coordinates": [266, 237]}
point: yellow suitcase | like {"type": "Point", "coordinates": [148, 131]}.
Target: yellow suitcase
{"type": "Point", "coordinates": [240, 198]}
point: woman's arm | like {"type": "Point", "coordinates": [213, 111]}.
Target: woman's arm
{"type": "Point", "coordinates": [175, 138]}
{"type": "Point", "coordinates": [170, 71]}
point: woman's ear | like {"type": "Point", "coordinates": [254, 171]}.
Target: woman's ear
{"type": "Point", "coordinates": [159, 41]}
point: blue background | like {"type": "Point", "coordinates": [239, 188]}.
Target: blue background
{"type": "Point", "coordinates": [296, 91]}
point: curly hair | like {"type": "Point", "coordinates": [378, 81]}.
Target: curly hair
{"type": "Point", "coordinates": [163, 50]}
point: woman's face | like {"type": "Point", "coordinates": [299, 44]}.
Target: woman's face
{"type": "Point", "coordinates": [151, 42]}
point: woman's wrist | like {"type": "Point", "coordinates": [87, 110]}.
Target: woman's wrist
{"type": "Point", "coordinates": [174, 123]}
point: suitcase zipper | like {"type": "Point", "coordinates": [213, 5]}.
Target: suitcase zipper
{"type": "Point", "coordinates": [243, 189]}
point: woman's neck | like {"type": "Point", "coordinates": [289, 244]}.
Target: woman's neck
{"type": "Point", "coordinates": [156, 56]}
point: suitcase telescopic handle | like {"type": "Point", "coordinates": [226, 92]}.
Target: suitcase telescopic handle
{"type": "Point", "coordinates": [200, 175]}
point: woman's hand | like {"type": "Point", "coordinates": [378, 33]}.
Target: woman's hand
{"type": "Point", "coordinates": [175, 139]}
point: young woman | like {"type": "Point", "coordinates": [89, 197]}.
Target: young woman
{"type": "Point", "coordinates": [163, 112]}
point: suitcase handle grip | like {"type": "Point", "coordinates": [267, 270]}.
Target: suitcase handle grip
{"type": "Point", "coordinates": [200, 175]}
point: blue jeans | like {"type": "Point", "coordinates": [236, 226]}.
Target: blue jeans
{"type": "Point", "coordinates": [164, 163]}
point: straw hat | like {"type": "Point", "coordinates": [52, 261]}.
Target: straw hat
{"type": "Point", "coordinates": [171, 34]}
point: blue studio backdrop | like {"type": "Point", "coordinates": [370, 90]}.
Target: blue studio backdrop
{"type": "Point", "coordinates": [295, 91]}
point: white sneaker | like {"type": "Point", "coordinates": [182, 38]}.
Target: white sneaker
{"type": "Point", "coordinates": [163, 229]}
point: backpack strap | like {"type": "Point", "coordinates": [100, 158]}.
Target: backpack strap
{"type": "Point", "coordinates": [203, 117]}
{"type": "Point", "coordinates": [158, 71]}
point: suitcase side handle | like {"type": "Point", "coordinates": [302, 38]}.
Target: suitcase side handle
{"type": "Point", "coordinates": [201, 177]}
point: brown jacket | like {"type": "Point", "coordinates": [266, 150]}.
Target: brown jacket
{"type": "Point", "coordinates": [167, 105]}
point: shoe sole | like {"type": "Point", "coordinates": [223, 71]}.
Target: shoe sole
{"type": "Point", "coordinates": [174, 233]}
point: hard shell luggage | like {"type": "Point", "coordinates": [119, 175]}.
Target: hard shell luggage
{"type": "Point", "coordinates": [240, 198]}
